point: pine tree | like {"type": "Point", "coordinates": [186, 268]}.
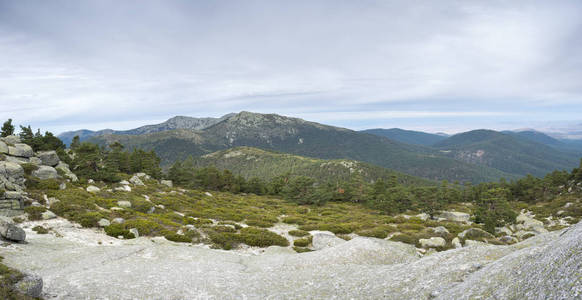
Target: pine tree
{"type": "Point", "coordinates": [7, 128]}
{"type": "Point", "coordinates": [75, 143]}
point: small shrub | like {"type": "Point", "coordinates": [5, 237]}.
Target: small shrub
{"type": "Point", "coordinates": [88, 219]}
{"type": "Point", "coordinates": [144, 226]}
{"type": "Point", "coordinates": [301, 250]}
{"type": "Point", "coordinates": [197, 222]}
{"type": "Point", "coordinates": [18, 220]}
{"type": "Point", "coordinates": [298, 233]}
{"type": "Point", "coordinates": [410, 227]}
{"type": "Point", "coordinates": [116, 230]}
{"type": "Point", "coordinates": [259, 223]}
{"type": "Point", "coordinates": [344, 237]}
{"type": "Point", "coordinates": [36, 184]}
{"type": "Point", "coordinates": [40, 230]}
{"type": "Point", "coordinates": [224, 240]}
{"type": "Point", "coordinates": [380, 232]}
{"type": "Point", "coordinates": [304, 242]}
{"type": "Point", "coordinates": [179, 238]}
{"type": "Point", "coordinates": [29, 168]}
{"type": "Point", "coordinates": [34, 212]}
{"type": "Point", "coordinates": [294, 220]}
{"type": "Point", "coordinates": [404, 238]}
{"type": "Point", "coordinates": [261, 237]}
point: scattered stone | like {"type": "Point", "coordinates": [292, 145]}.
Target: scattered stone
{"type": "Point", "coordinates": [52, 200]}
{"type": "Point", "coordinates": [455, 216]}
{"type": "Point", "coordinates": [30, 285]}
{"type": "Point", "coordinates": [568, 204]}
{"type": "Point", "coordinates": [104, 223]}
{"type": "Point", "coordinates": [135, 232]}
{"type": "Point", "coordinates": [440, 230]}
{"type": "Point", "coordinates": [456, 243]}
{"type": "Point", "coordinates": [503, 230]}
{"type": "Point", "coordinates": [45, 172]}
{"type": "Point", "coordinates": [160, 206]}
{"type": "Point", "coordinates": [90, 181]}
{"type": "Point", "coordinates": [508, 239]}
{"type": "Point", "coordinates": [62, 186]}
{"type": "Point", "coordinates": [123, 188]}
{"type": "Point", "coordinates": [115, 208]}
{"type": "Point", "coordinates": [208, 194]}
{"type": "Point", "coordinates": [93, 189]}
{"type": "Point", "coordinates": [35, 204]}
{"type": "Point", "coordinates": [48, 158]}
{"type": "Point", "coordinates": [136, 181]}
{"type": "Point", "coordinates": [124, 182]}
{"type": "Point", "coordinates": [433, 242]}
{"type": "Point", "coordinates": [10, 231]}
{"type": "Point", "coordinates": [167, 183]}
{"type": "Point", "coordinates": [20, 150]}
{"type": "Point", "coordinates": [322, 240]}
{"type": "Point", "coordinates": [118, 221]}
{"type": "Point", "coordinates": [124, 204]}
{"type": "Point", "coordinates": [423, 216]}
{"type": "Point", "coordinates": [475, 233]}
{"type": "Point", "coordinates": [47, 215]}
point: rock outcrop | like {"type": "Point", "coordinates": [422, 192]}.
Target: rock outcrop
{"type": "Point", "coordinates": [10, 231]}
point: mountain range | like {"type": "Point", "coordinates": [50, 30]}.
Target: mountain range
{"type": "Point", "coordinates": [475, 156]}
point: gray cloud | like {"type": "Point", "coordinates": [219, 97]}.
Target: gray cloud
{"type": "Point", "coordinates": [72, 64]}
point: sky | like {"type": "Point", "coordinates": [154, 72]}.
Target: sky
{"type": "Point", "coordinates": [436, 66]}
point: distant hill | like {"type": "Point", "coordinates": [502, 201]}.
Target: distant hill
{"type": "Point", "coordinates": [178, 122]}
{"type": "Point", "coordinates": [515, 153]}
{"type": "Point", "coordinates": [300, 137]}
{"type": "Point", "coordinates": [250, 162]}
{"type": "Point", "coordinates": [572, 146]}
{"type": "Point", "coordinates": [408, 136]}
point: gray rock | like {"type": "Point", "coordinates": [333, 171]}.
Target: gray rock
{"type": "Point", "coordinates": [123, 188]}
{"type": "Point", "coordinates": [45, 172]}
{"type": "Point", "coordinates": [14, 195]}
{"type": "Point", "coordinates": [433, 242]}
{"type": "Point", "coordinates": [322, 240]}
{"type": "Point", "coordinates": [134, 231]}
{"type": "Point", "coordinates": [11, 139]}
{"type": "Point", "coordinates": [455, 216]}
{"type": "Point", "coordinates": [475, 233]}
{"type": "Point", "coordinates": [20, 150]}
{"type": "Point", "coordinates": [62, 186]}
{"type": "Point", "coordinates": [124, 204]}
{"type": "Point", "coordinates": [456, 243]}
{"type": "Point", "coordinates": [10, 231]}
{"type": "Point", "coordinates": [167, 183]}
{"type": "Point", "coordinates": [508, 239]}
{"type": "Point", "coordinates": [503, 230]}
{"type": "Point", "coordinates": [440, 230]}
{"type": "Point", "coordinates": [3, 148]}
{"type": "Point", "coordinates": [136, 181]}
{"type": "Point", "coordinates": [104, 223]}
{"type": "Point", "coordinates": [18, 160]}
{"type": "Point", "coordinates": [423, 216]}
{"type": "Point", "coordinates": [11, 170]}
{"type": "Point", "coordinates": [124, 182]}
{"type": "Point", "coordinates": [35, 161]}
{"type": "Point", "coordinates": [30, 285]}
{"type": "Point", "coordinates": [472, 243]}
{"type": "Point", "coordinates": [118, 221]}
{"type": "Point", "coordinates": [47, 215]}
{"type": "Point", "coordinates": [93, 189]}
{"type": "Point", "coordinates": [48, 158]}
{"type": "Point", "coordinates": [65, 169]}
{"type": "Point", "coordinates": [52, 201]}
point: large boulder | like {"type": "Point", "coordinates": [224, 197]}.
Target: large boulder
{"type": "Point", "coordinates": [65, 169]}
{"type": "Point", "coordinates": [30, 285]}
{"type": "Point", "coordinates": [124, 204]}
{"type": "Point", "coordinates": [455, 216]}
{"type": "Point", "coordinates": [11, 170]}
{"type": "Point", "coordinates": [433, 242]}
{"type": "Point", "coordinates": [322, 240]}
{"type": "Point", "coordinates": [48, 158]}
{"type": "Point", "coordinates": [10, 231]}
{"type": "Point", "coordinates": [11, 139]}
{"type": "Point", "coordinates": [45, 172]}
{"type": "Point", "coordinates": [167, 183]}
{"type": "Point", "coordinates": [47, 215]}
{"type": "Point", "coordinates": [20, 150]}
{"type": "Point", "coordinates": [475, 234]}
{"type": "Point", "coordinates": [3, 148]}
{"type": "Point", "coordinates": [93, 189]}
{"type": "Point", "coordinates": [136, 181]}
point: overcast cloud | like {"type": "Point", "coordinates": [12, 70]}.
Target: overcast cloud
{"type": "Point", "coordinates": [429, 65]}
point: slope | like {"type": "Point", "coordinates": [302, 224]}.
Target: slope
{"type": "Point", "coordinates": [407, 136]}
{"type": "Point", "coordinates": [297, 136]}
{"type": "Point", "coordinates": [505, 152]}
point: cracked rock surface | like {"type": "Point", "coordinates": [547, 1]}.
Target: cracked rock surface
{"type": "Point", "coordinates": [77, 266]}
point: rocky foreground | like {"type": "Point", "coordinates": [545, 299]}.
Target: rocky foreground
{"type": "Point", "coordinates": [80, 263]}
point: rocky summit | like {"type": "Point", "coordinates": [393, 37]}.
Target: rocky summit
{"type": "Point", "coordinates": [84, 264]}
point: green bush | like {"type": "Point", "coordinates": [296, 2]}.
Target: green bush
{"type": "Point", "coordinates": [34, 212]}
{"type": "Point", "coordinates": [410, 227]}
{"type": "Point", "coordinates": [40, 230]}
{"type": "Point", "coordinates": [294, 220]}
{"type": "Point", "coordinates": [179, 238]}
{"type": "Point", "coordinates": [197, 222]}
{"type": "Point", "coordinates": [380, 232]}
{"type": "Point", "coordinates": [29, 168]}
{"type": "Point", "coordinates": [116, 230]}
{"type": "Point", "coordinates": [301, 250]}
{"type": "Point", "coordinates": [304, 242]}
{"type": "Point", "coordinates": [298, 233]}
{"type": "Point", "coordinates": [224, 240]}
{"type": "Point", "coordinates": [259, 223]}
{"type": "Point", "coordinates": [37, 184]}
{"type": "Point", "coordinates": [405, 238]}
{"type": "Point", "coordinates": [88, 219]}
{"type": "Point", "coordinates": [145, 227]}
{"type": "Point", "coordinates": [261, 237]}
